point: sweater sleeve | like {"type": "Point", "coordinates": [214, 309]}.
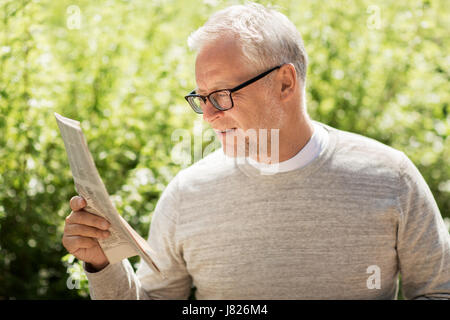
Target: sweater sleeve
{"type": "Point", "coordinates": [119, 281]}
{"type": "Point", "coordinates": [423, 242]}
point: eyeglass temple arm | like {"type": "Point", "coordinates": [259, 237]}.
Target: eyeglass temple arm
{"type": "Point", "coordinates": [254, 79]}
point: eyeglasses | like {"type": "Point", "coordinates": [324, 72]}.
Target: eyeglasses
{"type": "Point", "coordinates": [221, 99]}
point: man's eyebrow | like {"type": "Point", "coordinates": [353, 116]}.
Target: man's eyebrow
{"type": "Point", "coordinates": [218, 86]}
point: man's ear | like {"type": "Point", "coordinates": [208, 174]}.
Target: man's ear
{"type": "Point", "coordinates": [288, 79]}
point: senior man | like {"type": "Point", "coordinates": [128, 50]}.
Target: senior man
{"type": "Point", "coordinates": [328, 215]}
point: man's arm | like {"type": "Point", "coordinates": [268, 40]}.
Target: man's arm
{"type": "Point", "coordinates": [423, 241]}
{"type": "Point", "coordinates": [119, 281]}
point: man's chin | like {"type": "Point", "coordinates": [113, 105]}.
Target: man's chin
{"type": "Point", "coordinates": [236, 150]}
{"type": "Point", "coordinates": [254, 151]}
{"type": "Point", "coordinates": [238, 144]}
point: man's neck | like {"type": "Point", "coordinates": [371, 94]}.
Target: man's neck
{"type": "Point", "coordinates": [292, 138]}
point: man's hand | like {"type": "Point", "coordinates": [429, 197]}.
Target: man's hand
{"type": "Point", "coordinates": [81, 231]}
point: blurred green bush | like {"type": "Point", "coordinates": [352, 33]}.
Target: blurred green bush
{"type": "Point", "coordinates": [122, 69]}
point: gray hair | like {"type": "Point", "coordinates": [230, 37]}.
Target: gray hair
{"type": "Point", "coordinates": [267, 37]}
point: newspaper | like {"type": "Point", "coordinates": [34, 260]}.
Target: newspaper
{"type": "Point", "coordinates": [124, 241]}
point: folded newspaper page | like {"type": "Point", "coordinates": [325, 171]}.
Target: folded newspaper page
{"type": "Point", "coordinates": [124, 241]}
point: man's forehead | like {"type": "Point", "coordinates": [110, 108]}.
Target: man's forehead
{"type": "Point", "coordinates": [215, 76]}
{"type": "Point", "coordinates": [214, 81]}
{"type": "Point", "coordinates": [219, 65]}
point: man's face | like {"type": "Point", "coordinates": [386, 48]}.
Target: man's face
{"type": "Point", "coordinates": [220, 66]}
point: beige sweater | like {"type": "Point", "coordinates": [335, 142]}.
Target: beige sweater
{"type": "Point", "coordinates": [342, 227]}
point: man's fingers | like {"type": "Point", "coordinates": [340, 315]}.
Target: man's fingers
{"type": "Point", "coordinates": [77, 203]}
{"type": "Point", "coordinates": [89, 219]}
{"type": "Point", "coordinates": [73, 229]}
{"type": "Point", "coordinates": [73, 243]}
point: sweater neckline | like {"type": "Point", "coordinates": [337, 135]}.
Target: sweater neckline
{"type": "Point", "coordinates": [308, 153]}
{"type": "Point", "coordinates": [249, 171]}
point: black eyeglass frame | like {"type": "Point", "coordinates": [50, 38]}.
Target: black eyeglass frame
{"type": "Point", "coordinates": [192, 94]}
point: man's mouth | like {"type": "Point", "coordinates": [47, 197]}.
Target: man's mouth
{"type": "Point", "coordinates": [224, 131]}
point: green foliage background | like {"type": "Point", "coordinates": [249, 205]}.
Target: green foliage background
{"type": "Point", "coordinates": [123, 74]}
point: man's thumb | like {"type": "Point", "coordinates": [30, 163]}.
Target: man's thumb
{"type": "Point", "coordinates": [77, 203]}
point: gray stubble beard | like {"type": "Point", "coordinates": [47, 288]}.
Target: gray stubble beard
{"type": "Point", "coordinates": [255, 143]}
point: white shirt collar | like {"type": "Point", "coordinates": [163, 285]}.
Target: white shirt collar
{"type": "Point", "coordinates": [308, 153]}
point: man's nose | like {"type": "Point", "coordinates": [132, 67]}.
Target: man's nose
{"type": "Point", "coordinates": [210, 113]}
